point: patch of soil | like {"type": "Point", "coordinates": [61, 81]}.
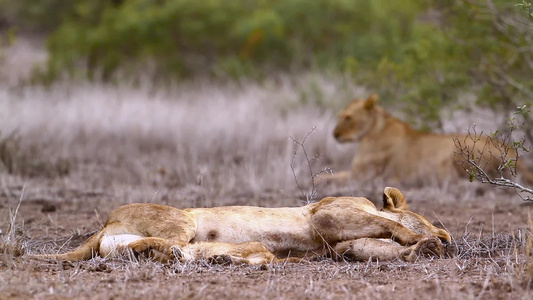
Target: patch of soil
{"type": "Point", "coordinates": [486, 230]}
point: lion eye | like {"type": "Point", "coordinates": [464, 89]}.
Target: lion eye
{"type": "Point", "coordinates": [347, 118]}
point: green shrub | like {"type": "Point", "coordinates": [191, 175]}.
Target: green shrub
{"type": "Point", "coordinates": [496, 39]}
{"type": "Point", "coordinates": [419, 53]}
{"type": "Point", "coordinates": [239, 37]}
{"type": "Point", "coordinates": [35, 15]}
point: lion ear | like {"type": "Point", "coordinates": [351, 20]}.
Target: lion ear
{"type": "Point", "coordinates": [393, 199]}
{"type": "Point", "coordinates": [371, 101]}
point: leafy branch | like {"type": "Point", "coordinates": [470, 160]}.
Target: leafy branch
{"type": "Point", "coordinates": [479, 153]}
{"type": "Point", "coordinates": [527, 6]}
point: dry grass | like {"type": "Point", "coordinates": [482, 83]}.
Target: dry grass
{"type": "Point", "coordinates": [206, 144]}
{"type": "Point", "coordinates": [476, 277]}
{"type": "Point", "coordinates": [206, 134]}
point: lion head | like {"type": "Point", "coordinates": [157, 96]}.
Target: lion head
{"type": "Point", "coordinates": [394, 204]}
{"type": "Point", "coordinates": [356, 120]}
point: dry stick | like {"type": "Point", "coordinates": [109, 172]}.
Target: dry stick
{"type": "Point", "coordinates": [155, 196]}
{"type": "Point", "coordinates": [13, 217]}
{"type": "Point", "coordinates": [301, 145]}
{"type": "Point", "coordinates": [98, 220]}
{"type": "Point", "coordinates": [308, 196]}
{"type": "Point", "coordinates": [63, 245]}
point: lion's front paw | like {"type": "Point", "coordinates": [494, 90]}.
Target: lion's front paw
{"type": "Point", "coordinates": [427, 247]}
{"type": "Point", "coordinates": [176, 253]}
{"type": "Point", "coordinates": [450, 250]}
{"type": "Point", "coordinates": [220, 260]}
{"type": "Point", "coordinates": [430, 247]}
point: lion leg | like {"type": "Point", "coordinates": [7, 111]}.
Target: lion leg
{"type": "Point", "coordinates": [256, 259]}
{"type": "Point", "coordinates": [385, 250]}
{"type": "Point", "coordinates": [401, 234]}
{"type": "Point", "coordinates": [251, 253]}
{"type": "Point", "coordinates": [366, 226]}
{"type": "Point", "coordinates": [369, 248]}
{"type": "Point", "coordinates": [428, 247]}
{"type": "Point", "coordinates": [159, 249]}
{"type": "Point", "coordinates": [398, 233]}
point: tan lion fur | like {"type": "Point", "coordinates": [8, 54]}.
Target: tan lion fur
{"type": "Point", "coordinates": [349, 227]}
{"type": "Point", "coordinates": [389, 148]}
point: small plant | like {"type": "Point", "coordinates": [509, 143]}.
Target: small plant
{"type": "Point", "coordinates": [528, 7]}
{"type": "Point", "coordinates": [311, 194]}
{"type": "Point", "coordinates": [11, 244]}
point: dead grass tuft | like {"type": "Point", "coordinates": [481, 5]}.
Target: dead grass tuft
{"type": "Point", "coordinates": [469, 247]}
{"type": "Point", "coordinates": [11, 248]}
{"type": "Point", "coordinates": [12, 243]}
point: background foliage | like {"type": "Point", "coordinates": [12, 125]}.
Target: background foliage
{"type": "Point", "coordinates": [419, 53]}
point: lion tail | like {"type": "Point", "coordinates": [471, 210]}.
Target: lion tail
{"type": "Point", "coordinates": [85, 251]}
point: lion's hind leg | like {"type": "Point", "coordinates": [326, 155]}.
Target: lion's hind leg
{"type": "Point", "coordinates": [165, 250]}
{"type": "Point", "coordinates": [365, 249]}
{"type": "Point", "coordinates": [159, 249]}
{"type": "Point", "coordinates": [250, 253]}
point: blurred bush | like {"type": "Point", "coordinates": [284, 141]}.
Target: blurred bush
{"type": "Point", "coordinates": [495, 39]}
{"type": "Point", "coordinates": [420, 52]}
{"type": "Point", "coordinates": [34, 15]}
{"type": "Point", "coordinates": [235, 38]}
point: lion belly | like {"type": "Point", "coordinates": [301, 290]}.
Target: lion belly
{"type": "Point", "coordinates": [280, 230]}
{"type": "Point", "coordinates": [111, 245]}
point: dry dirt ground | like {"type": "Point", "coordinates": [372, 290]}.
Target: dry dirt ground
{"type": "Point", "coordinates": [491, 235]}
{"type": "Point", "coordinates": [71, 153]}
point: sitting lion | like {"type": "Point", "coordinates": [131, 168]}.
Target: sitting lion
{"type": "Point", "coordinates": [391, 149]}
{"type": "Point", "coordinates": [339, 227]}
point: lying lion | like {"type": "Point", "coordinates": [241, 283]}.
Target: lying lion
{"type": "Point", "coordinates": [339, 227]}
{"type": "Point", "coordinates": [391, 149]}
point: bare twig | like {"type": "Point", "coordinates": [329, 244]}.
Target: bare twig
{"type": "Point", "coordinates": [309, 196]}
{"type": "Point", "coordinates": [13, 218]}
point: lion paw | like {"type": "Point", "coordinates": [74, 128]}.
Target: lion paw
{"type": "Point", "coordinates": [220, 260]}
{"type": "Point", "coordinates": [450, 250]}
{"type": "Point", "coordinates": [140, 248]}
{"type": "Point", "coordinates": [176, 252]}
{"type": "Point", "coordinates": [428, 247]}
